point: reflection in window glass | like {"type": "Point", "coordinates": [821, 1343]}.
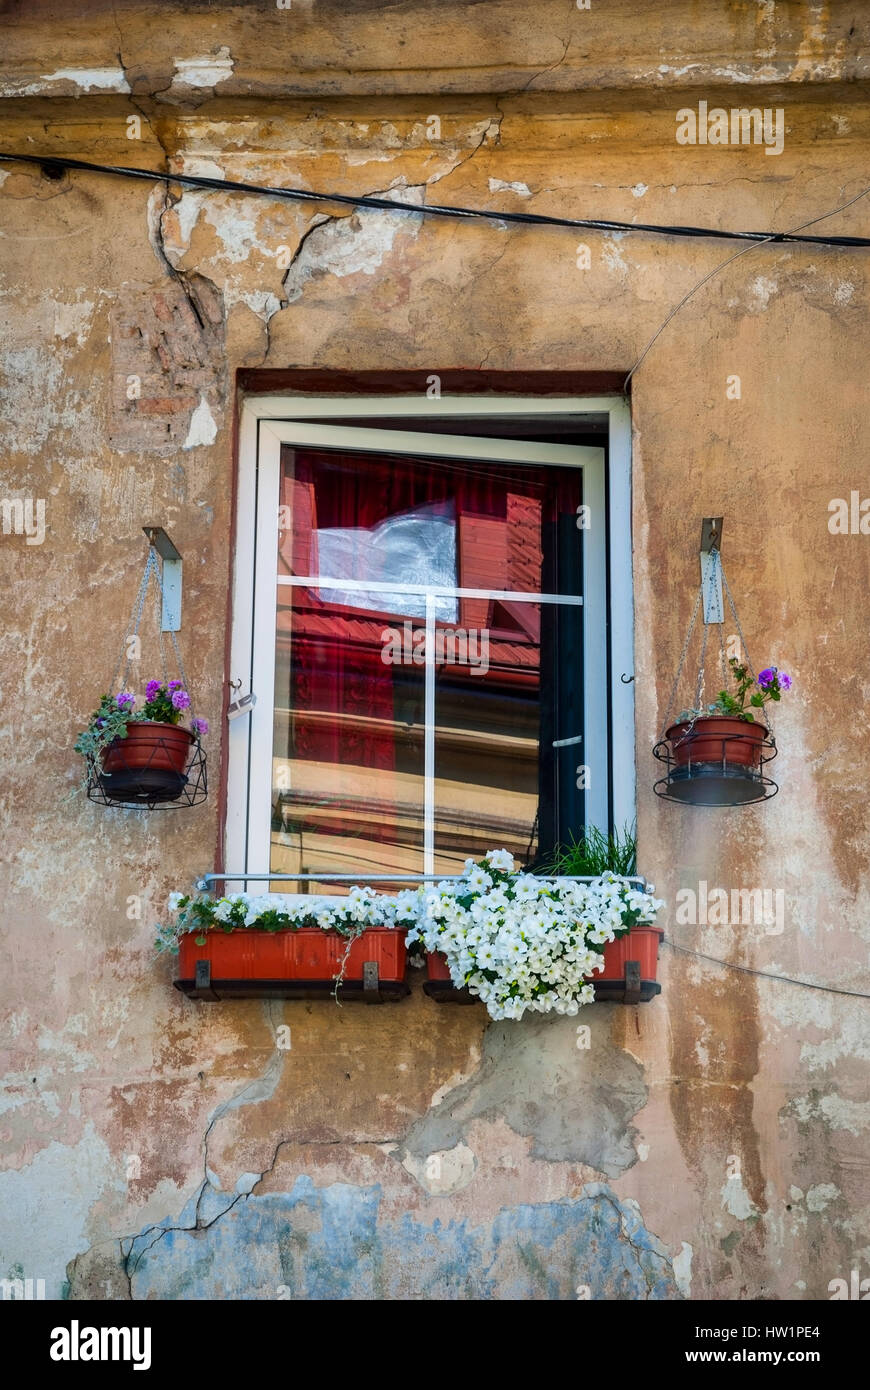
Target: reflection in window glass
{"type": "Point", "coordinates": [424, 665]}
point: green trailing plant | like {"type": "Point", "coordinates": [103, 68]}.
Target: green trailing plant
{"type": "Point", "coordinates": [593, 853]}
{"type": "Point", "coordinates": [108, 722]}
{"type": "Point", "coordinates": [769, 685]}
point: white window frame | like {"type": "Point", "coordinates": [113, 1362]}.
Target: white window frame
{"type": "Point", "coordinates": [269, 422]}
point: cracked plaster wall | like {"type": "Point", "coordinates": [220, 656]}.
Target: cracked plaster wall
{"type": "Point", "coordinates": [155, 1148]}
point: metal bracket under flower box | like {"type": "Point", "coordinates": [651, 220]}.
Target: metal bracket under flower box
{"type": "Point", "coordinates": [370, 989]}
{"type": "Point", "coordinates": [631, 990]}
{"type": "Point", "coordinates": [171, 579]}
{"type": "Point", "coordinates": [711, 569]}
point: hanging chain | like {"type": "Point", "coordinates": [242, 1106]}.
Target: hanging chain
{"type": "Point", "coordinates": [746, 660]}
{"type": "Point", "coordinates": [133, 625]}
{"type": "Point", "coordinates": [158, 599]}
{"type": "Point", "coordinates": [716, 563]}
{"type": "Point", "coordinates": [175, 646]}
{"type": "Point", "coordinates": [122, 669]}
{"type": "Point", "coordinates": [722, 661]}
{"type": "Point", "coordinates": [699, 691]}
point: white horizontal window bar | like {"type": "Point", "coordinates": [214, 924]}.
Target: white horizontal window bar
{"type": "Point", "coordinates": [373, 586]}
{"type": "Point", "coordinates": [418, 444]}
{"type": "Point", "coordinates": [205, 881]}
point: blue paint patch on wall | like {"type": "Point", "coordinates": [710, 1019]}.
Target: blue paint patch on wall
{"type": "Point", "coordinates": [333, 1243]}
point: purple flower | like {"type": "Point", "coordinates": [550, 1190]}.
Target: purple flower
{"type": "Point", "coordinates": [767, 677]}
{"type": "Point", "coordinates": [175, 685]}
{"type": "Point", "coordinates": [199, 726]}
{"type": "Point", "coordinates": [151, 689]}
{"type": "Point", "coordinates": [784, 682]}
{"type": "Point", "coordinates": [124, 699]}
{"type": "Point", "coordinates": [181, 699]}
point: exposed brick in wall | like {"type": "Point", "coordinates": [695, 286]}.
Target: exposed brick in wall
{"type": "Point", "coordinates": [167, 353]}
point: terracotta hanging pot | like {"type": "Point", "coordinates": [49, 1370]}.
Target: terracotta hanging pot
{"type": "Point", "coordinates": [150, 764]}
{"type": "Point", "coordinates": [716, 760]}
{"type": "Point", "coordinates": [717, 738]}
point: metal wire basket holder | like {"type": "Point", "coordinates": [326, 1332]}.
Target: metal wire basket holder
{"type": "Point", "coordinates": [167, 769]}
{"type": "Point", "coordinates": [717, 760]}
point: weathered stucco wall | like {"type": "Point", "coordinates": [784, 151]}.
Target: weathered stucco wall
{"type": "Point", "coordinates": [710, 1144]}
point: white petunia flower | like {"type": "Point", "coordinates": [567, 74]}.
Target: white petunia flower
{"type": "Point", "coordinates": [501, 859]}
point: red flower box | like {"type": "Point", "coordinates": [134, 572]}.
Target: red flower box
{"type": "Point", "coordinates": [304, 962]}
{"type": "Point", "coordinates": [436, 966]}
{"type": "Point", "coordinates": [439, 985]}
{"type": "Point", "coordinates": [619, 980]}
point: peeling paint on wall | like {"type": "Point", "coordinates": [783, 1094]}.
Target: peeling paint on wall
{"type": "Point", "coordinates": [339, 1242]}
{"type": "Point", "coordinates": [575, 1104]}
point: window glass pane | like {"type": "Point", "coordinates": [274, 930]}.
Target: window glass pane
{"type": "Point", "coordinates": [368, 547]}
{"type": "Point", "coordinates": [496, 721]}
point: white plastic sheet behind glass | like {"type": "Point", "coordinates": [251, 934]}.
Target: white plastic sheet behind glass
{"type": "Point", "coordinates": [417, 547]}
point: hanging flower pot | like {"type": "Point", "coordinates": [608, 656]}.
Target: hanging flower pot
{"type": "Point", "coordinates": [715, 738]}
{"type": "Point", "coordinates": [138, 752]}
{"type": "Point", "coordinates": [144, 757]}
{"type": "Point", "coordinates": [716, 754]}
{"type": "Point", "coordinates": [715, 757]}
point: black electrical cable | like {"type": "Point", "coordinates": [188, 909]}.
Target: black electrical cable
{"type": "Point", "coordinates": [765, 974]}
{"type": "Point", "coordinates": [52, 165]}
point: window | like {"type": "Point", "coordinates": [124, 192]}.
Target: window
{"type": "Point", "coordinates": [423, 616]}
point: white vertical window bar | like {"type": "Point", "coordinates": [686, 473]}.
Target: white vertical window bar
{"type": "Point", "coordinates": [429, 742]}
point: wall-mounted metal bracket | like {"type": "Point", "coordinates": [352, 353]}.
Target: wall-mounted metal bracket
{"type": "Point", "coordinates": [632, 982]}
{"type": "Point", "coordinates": [202, 980]}
{"type": "Point", "coordinates": [371, 983]}
{"type": "Point", "coordinates": [171, 579]}
{"type": "Point", "coordinates": [711, 569]}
